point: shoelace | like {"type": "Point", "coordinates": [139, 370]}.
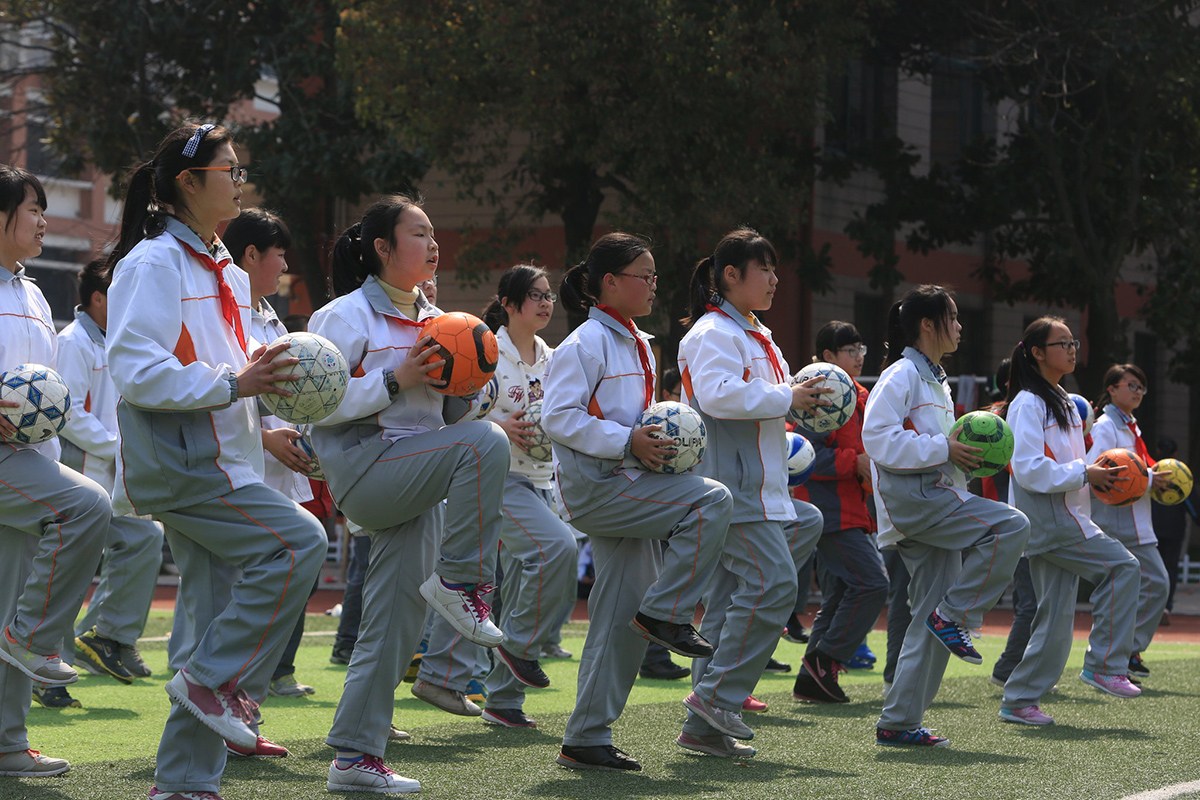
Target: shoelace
{"type": "Point", "coordinates": [375, 764]}
{"type": "Point", "coordinates": [240, 704]}
{"type": "Point", "coordinates": [474, 600]}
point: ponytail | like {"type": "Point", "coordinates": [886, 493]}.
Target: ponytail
{"type": "Point", "coordinates": [1023, 373]}
{"type": "Point", "coordinates": [580, 287]}
{"type": "Point", "coordinates": [354, 257]}
{"type": "Point", "coordinates": [926, 301]}
{"type": "Point", "coordinates": [738, 248]}
{"type": "Point", "coordinates": [576, 291]}
{"type": "Point", "coordinates": [347, 270]}
{"type": "Point", "coordinates": [703, 288]}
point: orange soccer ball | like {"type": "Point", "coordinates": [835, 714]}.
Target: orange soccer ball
{"type": "Point", "coordinates": [469, 349]}
{"type": "Point", "coordinates": [1130, 484]}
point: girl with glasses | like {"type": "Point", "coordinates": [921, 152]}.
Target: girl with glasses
{"type": "Point", "coordinates": [1125, 387]}
{"type": "Point", "coordinates": [183, 358]}
{"type": "Point", "coordinates": [598, 383]}
{"type": "Point", "coordinates": [960, 550]}
{"type": "Point", "coordinates": [854, 585]}
{"type": "Point", "coordinates": [736, 377]}
{"type": "Point", "coordinates": [1050, 476]}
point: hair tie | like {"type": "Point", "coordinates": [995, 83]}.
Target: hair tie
{"type": "Point", "coordinates": [193, 144]}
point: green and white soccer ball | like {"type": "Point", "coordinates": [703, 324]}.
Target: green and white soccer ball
{"type": "Point", "coordinates": [539, 449]}
{"type": "Point", "coordinates": [991, 434]}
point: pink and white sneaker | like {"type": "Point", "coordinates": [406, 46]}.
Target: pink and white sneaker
{"type": "Point", "coordinates": [369, 774]}
{"type": "Point", "coordinates": [1028, 715]}
{"type": "Point", "coordinates": [226, 711]}
{"type": "Point", "coordinates": [1116, 685]}
{"type": "Point", "coordinates": [156, 794]}
{"type": "Point", "coordinates": [752, 705]}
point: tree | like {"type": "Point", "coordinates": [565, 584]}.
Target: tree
{"type": "Point", "coordinates": [691, 116]}
{"type": "Point", "coordinates": [119, 76]}
{"type": "Point", "coordinates": [1101, 96]}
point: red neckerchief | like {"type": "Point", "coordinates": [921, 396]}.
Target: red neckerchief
{"type": "Point", "coordinates": [229, 306]}
{"type": "Point", "coordinates": [1139, 446]}
{"type": "Point", "coordinates": [761, 339]}
{"type": "Point", "coordinates": [643, 351]}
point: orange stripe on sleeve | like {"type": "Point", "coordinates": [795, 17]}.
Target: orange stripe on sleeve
{"type": "Point", "coordinates": [185, 348]}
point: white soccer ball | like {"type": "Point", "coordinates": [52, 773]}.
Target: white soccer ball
{"type": "Point", "coordinates": [1087, 414]}
{"type": "Point", "coordinates": [683, 426]}
{"type": "Point", "coordinates": [801, 458]}
{"type": "Point", "coordinates": [842, 401]}
{"type": "Point", "coordinates": [486, 399]}
{"type": "Point", "coordinates": [45, 402]}
{"type": "Point", "coordinates": [305, 443]}
{"type": "Point", "coordinates": [539, 449]}
{"type": "Point", "coordinates": [318, 382]}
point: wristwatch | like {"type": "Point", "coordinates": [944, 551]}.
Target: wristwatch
{"type": "Point", "coordinates": [393, 386]}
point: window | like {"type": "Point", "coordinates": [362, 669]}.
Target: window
{"type": "Point", "coordinates": [960, 112]}
{"type": "Point", "coordinates": [862, 106]}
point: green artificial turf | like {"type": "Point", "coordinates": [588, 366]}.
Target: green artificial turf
{"type": "Point", "coordinates": [1101, 747]}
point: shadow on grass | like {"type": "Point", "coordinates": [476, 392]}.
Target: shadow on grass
{"type": "Point", "coordinates": [1068, 733]}
{"type": "Point", "coordinates": [55, 718]}
{"type": "Point", "coordinates": [944, 756]}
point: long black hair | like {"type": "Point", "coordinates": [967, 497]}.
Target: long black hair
{"type": "Point", "coordinates": [1113, 375]}
{"type": "Point", "coordinates": [612, 252]}
{"type": "Point", "coordinates": [515, 285]}
{"type": "Point", "coordinates": [152, 186]}
{"type": "Point", "coordinates": [1023, 372]}
{"type": "Point", "coordinates": [738, 249]}
{"type": "Point", "coordinates": [833, 336]}
{"type": "Point", "coordinates": [354, 256]}
{"type": "Point", "coordinates": [13, 181]}
{"type": "Point", "coordinates": [258, 227]}
{"type": "Point", "coordinates": [927, 301]}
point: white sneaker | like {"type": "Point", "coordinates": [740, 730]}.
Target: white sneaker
{"type": "Point", "coordinates": [225, 711]}
{"type": "Point", "coordinates": [727, 722]}
{"type": "Point", "coordinates": [369, 775]}
{"type": "Point", "coordinates": [464, 609]}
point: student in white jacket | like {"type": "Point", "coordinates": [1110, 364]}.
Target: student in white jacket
{"type": "Point", "coordinates": [107, 635]}
{"type": "Point", "coordinates": [182, 359]}
{"type": "Point", "coordinates": [390, 460]}
{"type": "Point", "coordinates": [53, 521]}
{"type": "Point", "coordinates": [1050, 478]}
{"type": "Point", "coordinates": [1125, 387]}
{"type": "Point", "coordinates": [737, 378]}
{"type": "Point", "coordinates": [599, 381]}
{"type": "Point", "coordinates": [960, 549]}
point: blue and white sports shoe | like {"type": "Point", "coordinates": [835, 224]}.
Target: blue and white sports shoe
{"type": "Point", "coordinates": [956, 638]}
{"type": "Point", "coordinates": [917, 737]}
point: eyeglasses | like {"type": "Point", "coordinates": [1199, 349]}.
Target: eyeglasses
{"type": "Point", "coordinates": [1137, 388]}
{"type": "Point", "coordinates": [1069, 344]}
{"type": "Point", "coordinates": [432, 280]}
{"type": "Point", "coordinates": [537, 297]}
{"type": "Point", "coordinates": [651, 279]}
{"type": "Point", "coordinates": [854, 350]}
{"type": "Point", "coordinates": [239, 174]}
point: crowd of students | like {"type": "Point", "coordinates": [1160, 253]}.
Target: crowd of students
{"type": "Point", "coordinates": [174, 341]}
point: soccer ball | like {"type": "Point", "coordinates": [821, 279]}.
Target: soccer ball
{"type": "Point", "coordinates": [991, 434]}
{"type": "Point", "coordinates": [468, 347]}
{"type": "Point", "coordinates": [842, 401]}
{"type": "Point", "coordinates": [1180, 487]}
{"type": "Point", "coordinates": [1129, 485]}
{"type": "Point", "coordinates": [539, 448]}
{"type": "Point", "coordinates": [315, 471]}
{"type": "Point", "coordinates": [1086, 413]}
{"type": "Point", "coordinates": [485, 401]}
{"type": "Point", "coordinates": [801, 458]}
{"type": "Point", "coordinates": [45, 402]}
{"type": "Point", "coordinates": [682, 425]}
{"type": "Point", "coordinates": [317, 383]}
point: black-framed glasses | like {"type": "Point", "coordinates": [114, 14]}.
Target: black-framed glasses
{"type": "Point", "coordinates": [1137, 388]}
{"type": "Point", "coordinates": [537, 297]}
{"type": "Point", "coordinates": [1067, 344]}
{"type": "Point", "coordinates": [650, 279]}
{"type": "Point", "coordinates": [854, 350]}
{"type": "Point", "coordinates": [239, 174]}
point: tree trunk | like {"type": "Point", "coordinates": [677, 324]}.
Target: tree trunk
{"type": "Point", "coordinates": [1105, 340]}
{"type": "Point", "coordinates": [579, 214]}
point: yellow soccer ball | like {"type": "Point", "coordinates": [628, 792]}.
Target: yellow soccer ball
{"type": "Point", "coordinates": [1180, 485]}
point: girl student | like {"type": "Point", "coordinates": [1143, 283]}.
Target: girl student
{"type": "Point", "coordinates": [537, 549]}
{"type": "Point", "coordinates": [737, 378]}
{"type": "Point", "coordinates": [182, 359]}
{"type": "Point", "coordinates": [390, 460]}
{"type": "Point", "coordinates": [53, 521]}
{"type": "Point", "coordinates": [1049, 483]}
{"type": "Point", "coordinates": [854, 585]}
{"type": "Point", "coordinates": [599, 381]}
{"type": "Point", "coordinates": [1125, 387]}
{"type": "Point", "coordinates": [960, 549]}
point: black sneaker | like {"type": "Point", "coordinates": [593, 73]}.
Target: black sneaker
{"type": "Point", "coordinates": [132, 659]}
{"type": "Point", "coordinates": [794, 632]}
{"type": "Point", "coordinates": [681, 639]}
{"type": "Point", "coordinates": [508, 718]}
{"type": "Point", "coordinates": [820, 671]}
{"type": "Point", "coordinates": [777, 666]}
{"type": "Point", "coordinates": [54, 697]}
{"type": "Point", "coordinates": [602, 756]}
{"type": "Point", "coordinates": [527, 671]}
{"type": "Point", "coordinates": [341, 655]}
{"type": "Point", "coordinates": [100, 656]}
{"type": "Point", "coordinates": [1137, 667]}
{"type": "Point", "coordinates": [667, 671]}
{"type": "Point", "coordinates": [954, 637]}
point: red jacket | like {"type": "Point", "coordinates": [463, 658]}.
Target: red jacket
{"type": "Point", "coordinates": [834, 486]}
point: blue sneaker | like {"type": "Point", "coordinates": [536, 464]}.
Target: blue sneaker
{"type": "Point", "coordinates": [476, 692]}
{"type": "Point", "coordinates": [917, 737]}
{"type": "Point", "coordinates": [956, 638]}
{"type": "Point", "coordinates": [863, 658]}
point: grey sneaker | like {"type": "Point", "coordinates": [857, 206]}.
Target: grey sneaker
{"type": "Point", "coordinates": [31, 764]}
{"type": "Point", "coordinates": [288, 686]}
{"type": "Point", "coordinates": [132, 659]}
{"type": "Point", "coordinates": [49, 670]}
{"type": "Point", "coordinates": [716, 745]}
{"type": "Point", "coordinates": [446, 699]}
{"type": "Point", "coordinates": [727, 722]}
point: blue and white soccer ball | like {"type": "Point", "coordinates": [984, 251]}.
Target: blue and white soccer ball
{"type": "Point", "coordinates": [317, 383]}
{"type": "Point", "coordinates": [45, 402]}
{"type": "Point", "coordinates": [539, 449]}
{"type": "Point", "coordinates": [842, 400]}
{"type": "Point", "coordinates": [683, 426]}
{"type": "Point", "coordinates": [801, 458]}
{"type": "Point", "coordinates": [304, 443]}
{"type": "Point", "coordinates": [485, 401]}
{"type": "Point", "coordinates": [1086, 413]}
